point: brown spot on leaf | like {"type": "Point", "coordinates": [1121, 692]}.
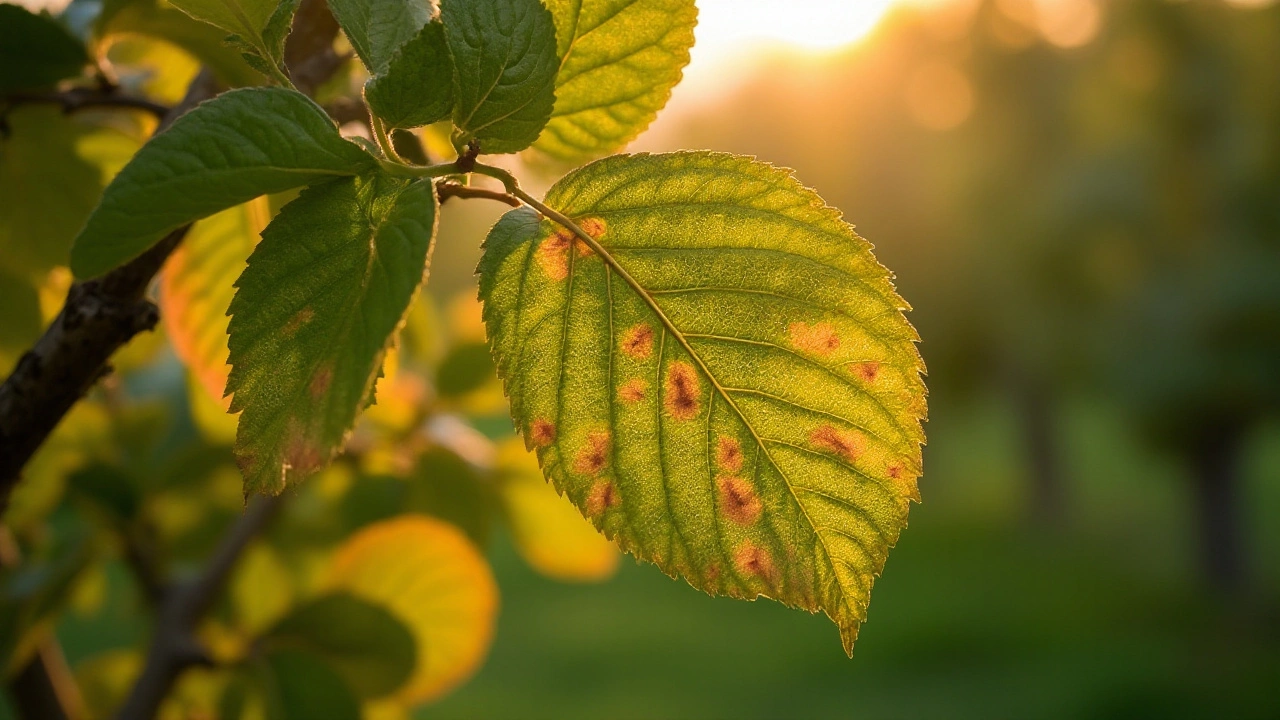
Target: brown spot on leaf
{"type": "Point", "coordinates": [683, 391]}
{"type": "Point", "coordinates": [300, 318]}
{"type": "Point", "coordinates": [593, 226]}
{"type": "Point", "coordinates": [542, 432]}
{"type": "Point", "coordinates": [739, 500]}
{"type": "Point", "coordinates": [603, 495]}
{"type": "Point", "coordinates": [819, 338]}
{"type": "Point", "coordinates": [868, 371]}
{"type": "Point", "coordinates": [753, 561]}
{"type": "Point", "coordinates": [321, 381]}
{"type": "Point", "coordinates": [632, 391]}
{"type": "Point", "coordinates": [593, 458]}
{"type": "Point", "coordinates": [553, 256]}
{"type": "Point", "coordinates": [728, 454]}
{"type": "Point", "coordinates": [905, 483]}
{"type": "Point", "coordinates": [848, 444]}
{"type": "Point", "coordinates": [637, 341]}
{"type": "Point", "coordinates": [713, 573]}
{"type": "Point", "coordinates": [301, 454]}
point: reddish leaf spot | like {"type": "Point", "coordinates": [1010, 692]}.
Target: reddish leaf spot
{"type": "Point", "coordinates": [868, 371]}
{"type": "Point", "coordinates": [593, 226]}
{"type": "Point", "coordinates": [553, 256]}
{"type": "Point", "coordinates": [753, 561]}
{"type": "Point", "coordinates": [632, 391]}
{"type": "Point", "coordinates": [301, 454]}
{"type": "Point", "coordinates": [603, 495]}
{"type": "Point", "coordinates": [848, 444]}
{"type": "Point", "coordinates": [905, 483]}
{"type": "Point", "coordinates": [739, 500]}
{"type": "Point", "coordinates": [637, 341]}
{"type": "Point", "coordinates": [300, 318]}
{"type": "Point", "coordinates": [593, 457]}
{"type": "Point", "coordinates": [728, 454]}
{"type": "Point", "coordinates": [321, 381]}
{"type": "Point", "coordinates": [542, 432]}
{"type": "Point", "coordinates": [819, 338]}
{"type": "Point", "coordinates": [683, 391]}
{"type": "Point", "coordinates": [713, 573]}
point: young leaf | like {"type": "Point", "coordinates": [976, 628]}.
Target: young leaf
{"type": "Point", "coordinates": [731, 391]}
{"type": "Point", "coordinates": [377, 28]}
{"type": "Point", "coordinates": [313, 315]}
{"type": "Point", "coordinates": [504, 69]}
{"type": "Point", "coordinates": [235, 147]}
{"type": "Point", "coordinates": [259, 25]}
{"type": "Point", "coordinates": [36, 51]}
{"type": "Point", "coordinates": [417, 88]}
{"type": "Point", "coordinates": [367, 645]}
{"type": "Point", "coordinates": [620, 60]}
{"type": "Point", "coordinates": [435, 581]}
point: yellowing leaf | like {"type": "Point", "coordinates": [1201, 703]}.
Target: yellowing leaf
{"type": "Point", "coordinates": [548, 532]}
{"type": "Point", "coordinates": [621, 58]}
{"type": "Point", "coordinates": [720, 376]}
{"type": "Point", "coordinates": [430, 576]}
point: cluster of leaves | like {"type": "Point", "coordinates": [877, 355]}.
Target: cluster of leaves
{"type": "Point", "coordinates": [708, 361]}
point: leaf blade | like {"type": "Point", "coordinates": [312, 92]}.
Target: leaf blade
{"type": "Point", "coordinates": [621, 59]}
{"type": "Point", "coordinates": [750, 332]}
{"type": "Point", "coordinates": [377, 28]}
{"type": "Point", "coordinates": [504, 58]}
{"type": "Point", "coordinates": [36, 51]}
{"type": "Point", "coordinates": [417, 87]}
{"type": "Point", "coordinates": [313, 315]}
{"type": "Point", "coordinates": [242, 144]}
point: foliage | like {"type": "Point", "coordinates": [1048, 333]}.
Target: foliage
{"type": "Point", "coordinates": [709, 362]}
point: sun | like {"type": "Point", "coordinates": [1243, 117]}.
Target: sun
{"type": "Point", "coordinates": [724, 26]}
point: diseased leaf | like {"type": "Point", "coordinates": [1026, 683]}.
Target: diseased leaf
{"type": "Point", "coordinates": [432, 579]}
{"type": "Point", "coordinates": [620, 59]}
{"type": "Point", "coordinates": [417, 88]}
{"type": "Point", "coordinates": [734, 395]}
{"type": "Point", "coordinates": [242, 144]}
{"type": "Point", "coordinates": [36, 51]}
{"type": "Point", "coordinates": [366, 644]}
{"type": "Point", "coordinates": [196, 287]}
{"type": "Point", "coordinates": [313, 316]}
{"type": "Point", "coordinates": [51, 160]}
{"type": "Point", "coordinates": [504, 68]}
{"type": "Point", "coordinates": [547, 531]}
{"type": "Point", "coordinates": [377, 28]}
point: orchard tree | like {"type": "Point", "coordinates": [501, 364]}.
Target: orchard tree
{"type": "Point", "coordinates": [703, 357]}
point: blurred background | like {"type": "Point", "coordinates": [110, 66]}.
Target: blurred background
{"type": "Point", "coordinates": [1081, 200]}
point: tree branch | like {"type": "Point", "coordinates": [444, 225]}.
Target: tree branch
{"type": "Point", "coordinates": [99, 317]}
{"type": "Point", "coordinates": [174, 647]}
{"type": "Point", "coordinates": [448, 190]}
{"type": "Point", "coordinates": [81, 98]}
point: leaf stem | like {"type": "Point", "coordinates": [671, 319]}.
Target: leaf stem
{"type": "Point", "coordinates": [384, 140]}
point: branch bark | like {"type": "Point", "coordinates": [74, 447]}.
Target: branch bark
{"type": "Point", "coordinates": [99, 317]}
{"type": "Point", "coordinates": [174, 647]}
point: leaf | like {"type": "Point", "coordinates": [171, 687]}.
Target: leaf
{"type": "Point", "coordinates": [51, 160]}
{"type": "Point", "coordinates": [377, 28]}
{"type": "Point", "coordinates": [621, 58]}
{"type": "Point", "coordinates": [242, 144]}
{"type": "Point", "coordinates": [547, 531]}
{"type": "Point", "coordinates": [205, 42]}
{"type": "Point", "coordinates": [313, 315]}
{"type": "Point", "coordinates": [258, 25]}
{"type": "Point", "coordinates": [301, 686]}
{"type": "Point", "coordinates": [466, 368]}
{"type": "Point", "coordinates": [196, 287]}
{"type": "Point", "coordinates": [367, 645]}
{"type": "Point", "coordinates": [36, 51]}
{"type": "Point", "coordinates": [417, 87]}
{"type": "Point", "coordinates": [504, 68]}
{"type": "Point", "coordinates": [434, 580]}
{"type": "Point", "coordinates": [734, 395]}
{"type": "Point", "coordinates": [20, 308]}
{"type": "Point", "coordinates": [261, 590]}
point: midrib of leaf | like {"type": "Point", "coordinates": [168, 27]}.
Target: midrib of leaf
{"type": "Point", "coordinates": [252, 34]}
{"type": "Point", "coordinates": [575, 37]}
{"type": "Point", "coordinates": [612, 263]}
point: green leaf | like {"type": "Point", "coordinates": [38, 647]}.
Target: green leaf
{"type": "Point", "coordinates": [260, 26]}
{"type": "Point", "coordinates": [20, 307]}
{"type": "Point", "coordinates": [467, 367]}
{"type": "Point", "coordinates": [36, 51]}
{"type": "Point", "coordinates": [372, 650]}
{"type": "Point", "coordinates": [242, 144]}
{"type": "Point", "coordinates": [298, 685]}
{"type": "Point", "coordinates": [620, 60]}
{"type": "Point", "coordinates": [203, 41]}
{"type": "Point", "coordinates": [417, 88]}
{"type": "Point", "coordinates": [732, 392]}
{"type": "Point", "coordinates": [51, 160]}
{"type": "Point", "coordinates": [377, 28]}
{"type": "Point", "coordinates": [313, 316]}
{"type": "Point", "coordinates": [504, 68]}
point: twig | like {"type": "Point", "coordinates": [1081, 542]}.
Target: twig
{"type": "Point", "coordinates": [448, 190]}
{"type": "Point", "coordinates": [174, 647]}
{"type": "Point", "coordinates": [81, 98]}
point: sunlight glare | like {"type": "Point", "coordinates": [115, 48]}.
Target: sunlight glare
{"type": "Point", "coordinates": [724, 26]}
